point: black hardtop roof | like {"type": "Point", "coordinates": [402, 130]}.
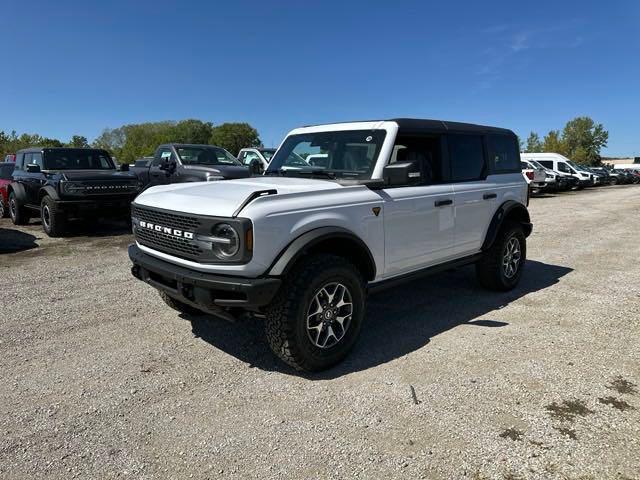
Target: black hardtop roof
{"type": "Point", "coordinates": [420, 125]}
{"type": "Point", "coordinates": [40, 149]}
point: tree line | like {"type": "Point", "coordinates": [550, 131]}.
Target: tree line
{"type": "Point", "coordinates": [581, 140]}
{"type": "Point", "coordinates": [129, 142]}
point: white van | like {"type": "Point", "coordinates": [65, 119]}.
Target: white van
{"type": "Point", "coordinates": [561, 164]}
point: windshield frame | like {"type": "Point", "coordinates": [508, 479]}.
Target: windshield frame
{"type": "Point", "coordinates": [277, 165]}
{"type": "Point", "coordinates": [233, 161]}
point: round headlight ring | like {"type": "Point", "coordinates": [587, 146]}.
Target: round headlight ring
{"type": "Point", "coordinates": [229, 241]}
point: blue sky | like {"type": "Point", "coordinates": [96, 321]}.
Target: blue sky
{"type": "Point", "coordinates": [78, 67]}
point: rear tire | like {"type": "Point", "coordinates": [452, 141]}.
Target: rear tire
{"type": "Point", "coordinates": [315, 319]}
{"type": "Point", "coordinates": [178, 305]}
{"type": "Point", "coordinates": [501, 266]}
{"type": "Point", "coordinates": [54, 221]}
{"type": "Point", "coordinates": [18, 213]}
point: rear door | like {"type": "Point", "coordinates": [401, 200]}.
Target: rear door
{"type": "Point", "coordinates": [475, 194]}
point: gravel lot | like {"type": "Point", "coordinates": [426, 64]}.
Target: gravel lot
{"type": "Point", "coordinates": [98, 379]}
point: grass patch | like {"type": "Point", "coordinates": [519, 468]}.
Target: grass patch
{"type": "Point", "coordinates": [568, 409]}
{"type": "Point", "coordinates": [616, 403]}
{"type": "Point", "coordinates": [622, 385]}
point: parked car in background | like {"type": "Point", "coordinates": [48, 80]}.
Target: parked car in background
{"type": "Point", "coordinates": [304, 247]}
{"type": "Point", "coordinates": [6, 169]}
{"type": "Point", "coordinates": [61, 184]}
{"type": "Point", "coordinates": [257, 159]}
{"type": "Point", "coordinates": [605, 177]}
{"type": "Point", "coordinates": [561, 164]}
{"type": "Point", "coordinates": [635, 175]}
{"type": "Point", "coordinates": [10, 158]}
{"type": "Point", "coordinates": [179, 163]}
{"type": "Point", "coordinates": [536, 175]}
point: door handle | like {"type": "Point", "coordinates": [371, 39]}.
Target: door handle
{"type": "Point", "coordinates": [442, 203]}
{"type": "Point", "coordinates": [489, 196]}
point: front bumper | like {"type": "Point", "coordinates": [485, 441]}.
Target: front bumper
{"type": "Point", "coordinates": [214, 294]}
{"type": "Point", "coordinates": [112, 206]}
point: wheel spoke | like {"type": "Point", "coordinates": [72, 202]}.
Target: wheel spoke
{"type": "Point", "coordinates": [329, 315]}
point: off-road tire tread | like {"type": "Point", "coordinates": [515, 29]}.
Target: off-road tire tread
{"type": "Point", "coordinates": [58, 220]}
{"type": "Point", "coordinates": [279, 329]}
{"type": "Point", "coordinates": [21, 218]}
{"type": "Point", "coordinates": [489, 267]}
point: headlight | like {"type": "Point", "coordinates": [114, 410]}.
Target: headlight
{"type": "Point", "coordinates": [225, 241]}
{"type": "Point", "coordinates": [71, 187]}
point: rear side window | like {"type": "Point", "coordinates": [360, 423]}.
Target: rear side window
{"type": "Point", "coordinates": [19, 161]}
{"type": "Point", "coordinates": [503, 154]}
{"type": "Point", "coordinates": [546, 163]}
{"type": "Point", "coordinates": [466, 155]}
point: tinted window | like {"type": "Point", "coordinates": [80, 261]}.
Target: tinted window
{"type": "Point", "coordinates": [36, 159]}
{"type": "Point", "coordinates": [503, 153]}
{"type": "Point", "coordinates": [466, 157]}
{"type": "Point", "coordinates": [205, 156]}
{"type": "Point", "coordinates": [27, 158]}
{"type": "Point", "coordinates": [424, 152]}
{"type": "Point", "coordinates": [546, 163]}
{"type": "Point", "coordinates": [563, 167]}
{"type": "Point", "coordinates": [163, 154]}
{"type": "Point", "coordinates": [71, 159]}
{"type": "Point", "coordinates": [6, 171]}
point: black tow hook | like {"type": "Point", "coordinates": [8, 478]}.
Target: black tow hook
{"type": "Point", "coordinates": [135, 271]}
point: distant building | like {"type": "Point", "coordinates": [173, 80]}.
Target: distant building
{"type": "Point", "coordinates": [620, 161]}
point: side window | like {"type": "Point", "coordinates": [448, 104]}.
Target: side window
{"type": "Point", "coordinates": [249, 157]}
{"type": "Point", "coordinates": [546, 163]}
{"type": "Point", "coordinates": [563, 167]}
{"type": "Point", "coordinates": [160, 157]}
{"type": "Point", "coordinates": [503, 154]}
{"type": "Point", "coordinates": [425, 151]}
{"type": "Point", "coordinates": [37, 159]}
{"type": "Point", "coordinates": [19, 161]}
{"type": "Point", "coordinates": [28, 158]}
{"type": "Point", "coordinates": [466, 155]}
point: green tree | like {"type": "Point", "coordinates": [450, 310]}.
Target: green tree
{"type": "Point", "coordinates": [584, 138]}
{"type": "Point", "coordinates": [553, 143]}
{"type": "Point", "coordinates": [78, 141]}
{"type": "Point", "coordinates": [235, 136]}
{"type": "Point", "coordinates": [192, 131]}
{"type": "Point", "coordinates": [111, 139]}
{"type": "Point", "coordinates": [534, 144]}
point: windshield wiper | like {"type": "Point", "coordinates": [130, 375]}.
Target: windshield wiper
{"type": "Point", "coordinates": [317, 172]}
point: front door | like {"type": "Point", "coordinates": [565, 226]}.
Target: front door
{"type": "Point", "coordinates": [418, 219]}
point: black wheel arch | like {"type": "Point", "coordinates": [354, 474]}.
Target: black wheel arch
{"type": "Point", "coordinates": [508, 211]}
{"type": "Point", "coordinates": [18, 190]}
{"type": "Point", "coordinates": [48, 191]}
{"type": "Point", "coordinates": [335, 240]}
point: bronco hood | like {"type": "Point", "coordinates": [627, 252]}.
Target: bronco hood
{"type": "Point", "coordinates": [83, 175]}
{"type": "Point", "coordinates": [223, 198]}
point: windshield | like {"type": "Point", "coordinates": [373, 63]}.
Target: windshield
{"type": "Point", "coordinates": [267, 154]}
{"type": "Point", "coordinates": [206, 156]}
{"type": "Point", "coordinates": [77, 159]}
{"type": "Point", "coordinates": [346, 154]}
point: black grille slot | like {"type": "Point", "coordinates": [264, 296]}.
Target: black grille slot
{"type": "Point", "coordinates": [166, 242]}
{"type": "Point", "coordinates": [108, 188]}
{"type": "Point", "coordinates": [181, 222]}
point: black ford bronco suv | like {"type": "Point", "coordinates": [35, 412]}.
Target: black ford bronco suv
{"type": "Point", "coordinates": [59, 184]}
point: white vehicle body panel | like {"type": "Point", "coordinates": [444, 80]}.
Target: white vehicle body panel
{"type": "Point", "coordinates": [409, 232]}
{"type": "Point", "coordinates": [560, 164]}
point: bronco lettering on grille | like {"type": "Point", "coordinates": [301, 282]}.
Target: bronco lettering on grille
{"type": "Point", "coordinates": [166, 230]}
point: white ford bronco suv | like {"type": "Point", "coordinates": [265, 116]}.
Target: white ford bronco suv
{"type": "Point", "coordinates": [303, 245]}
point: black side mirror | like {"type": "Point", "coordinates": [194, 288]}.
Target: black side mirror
{"type": "Point", "coordinates": [33, 168]}
{"type": "Point", "coordinates": [124, 167]}
{"type": "Point", "coordinates": [168, 165]}
{"type": "Point", "coordinates": [256, 168]}
{"type": "Point", "coordinates": [401, 173]}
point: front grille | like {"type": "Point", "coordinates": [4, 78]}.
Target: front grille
{"type": "Point", "coordinates": [166, 242]}
{"type": "Point", "coordinates": [182, 222]}
{"type": "Point", "coordinates": [107, 187]}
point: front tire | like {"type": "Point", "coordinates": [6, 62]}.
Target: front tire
{"type": "Point", "coordinates": [4, 210]}
{"type": "Point", "coordinates": [178, 305]}
{"type": "Point", "coordinates": [18, 213]}
{"type": "Point", "coordinates": [54, 221]}
{"type": "Point", "coordinates": [501, 266]}
{"type": "Point", "coordinates": [315, 319]}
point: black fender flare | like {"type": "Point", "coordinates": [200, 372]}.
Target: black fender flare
{"type": "Point", "coordinates": [18, 190]}
{"type": "Point", "coordinates": [305, 242]}
{"type": "Point", "coordinates": [48, 190]}
{"type": "Point", "coordinates": [508, 209]}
